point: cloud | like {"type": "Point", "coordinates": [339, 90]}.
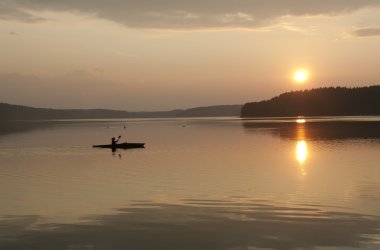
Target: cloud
{"type": "Point", "coordinates": [11, 13]}
{"type": "Point", "coordinates": [184, 14]}
{"type": "Point", "coordinates": [12, 33]}
{"type": "Point", "coordinates": [366, 32]}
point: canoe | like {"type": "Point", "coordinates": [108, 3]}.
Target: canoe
{"type": "Point", "coordinates": [124, 145]}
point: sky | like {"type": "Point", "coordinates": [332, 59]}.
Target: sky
{"type": "Point", "coordinates": [148, 55]}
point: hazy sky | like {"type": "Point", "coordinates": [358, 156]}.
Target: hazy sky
{"type": "Point", "coordinates": [167, 54]}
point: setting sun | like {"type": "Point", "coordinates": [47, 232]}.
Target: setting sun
{"type": "Point", "coordinates": [301, 76]}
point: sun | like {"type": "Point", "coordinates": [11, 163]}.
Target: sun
{"type": "Point", "coordinates": [301, 76]}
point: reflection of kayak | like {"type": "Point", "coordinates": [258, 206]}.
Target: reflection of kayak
{"type": "Point", "coordinates": [124, 145]}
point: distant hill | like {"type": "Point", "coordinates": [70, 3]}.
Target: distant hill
{"type": "Point", "coordinates": [318, 102]}
{"type": "Point", "coordinates": [17, 112]}
{"type": "Point", "coordinates": [220, 110]}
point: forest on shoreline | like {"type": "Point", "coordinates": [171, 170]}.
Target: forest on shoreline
{"type": "Point", "coordinates": [330, 101]}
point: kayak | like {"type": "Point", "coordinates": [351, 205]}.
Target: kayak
{"type": "Point", "coordinates": [124, 145]}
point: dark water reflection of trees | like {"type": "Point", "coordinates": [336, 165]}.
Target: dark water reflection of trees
{"type": "Point", "coordinates": [316, 130]}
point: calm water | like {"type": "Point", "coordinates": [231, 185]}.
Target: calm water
{"type": "Point", "coordinates": [199, 184]}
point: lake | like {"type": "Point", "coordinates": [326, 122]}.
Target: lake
{"type": "Point", "coordinates": [206, 183]}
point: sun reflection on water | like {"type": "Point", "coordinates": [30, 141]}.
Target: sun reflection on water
{"type": "Point", "coordinates": [300, 120]}
{"type": "Point", "coordinates": [301, 155]}
{"type": "Point", "coordinates": [301, 147]}
{"type": "Point", "coordinates": [301, 152]}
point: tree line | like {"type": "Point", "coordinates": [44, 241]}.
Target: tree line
{"type": "Point", "coordinates": [330, 101]}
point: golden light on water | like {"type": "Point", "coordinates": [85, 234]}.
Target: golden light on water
{"type": "Point", "coordinates": [301, 154]}
{"type": "Point", "coordinates": [300, 120]}
{"type": "Point", "coordinates": [301, 151]}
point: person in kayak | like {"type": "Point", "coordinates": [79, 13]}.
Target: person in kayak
{"type": "Point", "coordinates": [114, 141]}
